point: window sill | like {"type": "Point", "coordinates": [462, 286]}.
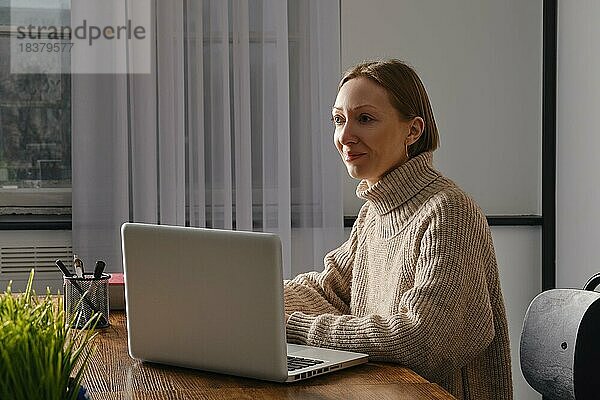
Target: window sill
{"type": "Point", "coordinates": [35, 221]}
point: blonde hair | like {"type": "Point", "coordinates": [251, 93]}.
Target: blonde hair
{"type": "Point", "coordinates": [407, 94]}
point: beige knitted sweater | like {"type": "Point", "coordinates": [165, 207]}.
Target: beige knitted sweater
{"type": "Point", "coordinates": [416, 283]}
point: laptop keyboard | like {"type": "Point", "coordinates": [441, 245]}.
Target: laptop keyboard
{"type": "Point", "coordinates": [295, 363]}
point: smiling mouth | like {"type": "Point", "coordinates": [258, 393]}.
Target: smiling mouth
{"type": "Point", "coordinates": [352, 156]}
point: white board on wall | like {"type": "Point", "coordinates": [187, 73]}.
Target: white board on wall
{"type": "Point", "coordinates": [481, 62]}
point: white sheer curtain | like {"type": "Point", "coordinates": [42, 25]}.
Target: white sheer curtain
{"type": "Point", "coordinates": [230, 130]}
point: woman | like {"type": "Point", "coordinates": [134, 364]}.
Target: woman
{"type": "Point", "coordinates": [417, 281]}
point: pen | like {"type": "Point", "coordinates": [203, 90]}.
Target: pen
{"type": "Point", "coordinates": [99, 269]}
{"type": "Point", "coordinates": [78, 265]}
{"type": "Point", "coordinates": [63, 268]}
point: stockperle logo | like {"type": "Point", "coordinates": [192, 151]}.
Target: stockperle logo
{"type": "Point", "coordinates": [80, 36]}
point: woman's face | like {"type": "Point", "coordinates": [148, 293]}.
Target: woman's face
{"type": "Point", "coordinates": [370, 134]}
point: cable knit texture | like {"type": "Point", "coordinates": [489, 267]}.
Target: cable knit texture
{"type": "Point", "coordinates": [416, 283]}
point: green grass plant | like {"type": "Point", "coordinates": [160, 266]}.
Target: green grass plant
{"type": "Point", "coordinates": [41, 356]}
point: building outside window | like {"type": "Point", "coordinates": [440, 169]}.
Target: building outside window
{"type": "Point", "coordinates": [35, 135]}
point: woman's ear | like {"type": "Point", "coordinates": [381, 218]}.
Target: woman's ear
{"type": "Point", "coordinates": [416, 127]}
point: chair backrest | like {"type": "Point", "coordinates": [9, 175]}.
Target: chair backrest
{"type": "Point", "coordinates": [593, 282]}
{"type": "Point", "coordinates": [560, 343]}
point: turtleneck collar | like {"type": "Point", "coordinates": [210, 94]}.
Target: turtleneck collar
{"type": "Point", "coordinates": [400, 184]}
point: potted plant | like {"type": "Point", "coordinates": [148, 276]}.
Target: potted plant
{"type": "Point", "coordinates": [41, 356]}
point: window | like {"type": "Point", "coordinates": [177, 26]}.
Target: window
{"type": "Point", "coordinates": [35, 133]}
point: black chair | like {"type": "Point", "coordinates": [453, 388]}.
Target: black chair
{"type": "Point", "coordinates": [560, 343]}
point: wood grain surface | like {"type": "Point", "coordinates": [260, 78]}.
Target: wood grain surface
{"type": "Point", "coordinates": [112, 374]}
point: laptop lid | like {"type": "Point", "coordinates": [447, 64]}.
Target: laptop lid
{"type": "Point", "coordinates": [205, 299]}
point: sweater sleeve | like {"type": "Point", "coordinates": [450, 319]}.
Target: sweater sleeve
{"type": "Point", "coordinates": [443, 321]}
{"type": "Point", "coordinates": [326, 292]}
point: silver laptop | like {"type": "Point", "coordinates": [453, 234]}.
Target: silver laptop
{"type": "Point", "coordinates": [213, 300]}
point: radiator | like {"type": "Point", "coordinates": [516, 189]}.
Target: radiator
{"type": "Point", "coordinates": [22, 251]}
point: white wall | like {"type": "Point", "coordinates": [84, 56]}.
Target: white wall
{"type": "Point", "coordinates": [481, 63]}
{"type": "Point", "coordinates": [578, 142]}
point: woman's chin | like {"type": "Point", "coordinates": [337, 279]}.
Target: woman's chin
{"type": "Point", "coordinates": [355, 172]}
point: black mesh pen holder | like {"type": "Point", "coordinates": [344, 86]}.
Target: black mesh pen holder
{"type": "Point", "coordinates": [86, 298]}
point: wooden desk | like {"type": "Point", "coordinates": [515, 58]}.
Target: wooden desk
{"type": "Point", "coordinates": [112, 374]}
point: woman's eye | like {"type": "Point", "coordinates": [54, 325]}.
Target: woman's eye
{"type": "Point", "coordinates": [337, 120]}
{"type": "Point", "coordinates": [363, 118]}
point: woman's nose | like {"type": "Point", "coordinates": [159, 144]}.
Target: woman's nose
{"type": "Point", "coordinates": [347, 134]}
